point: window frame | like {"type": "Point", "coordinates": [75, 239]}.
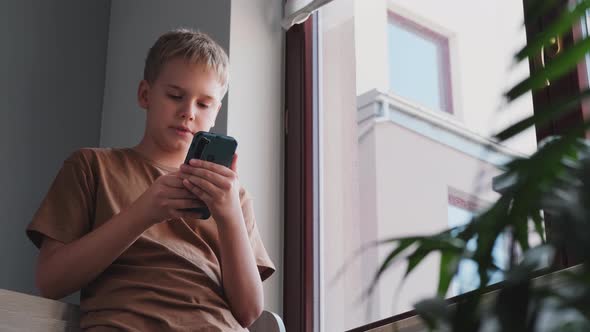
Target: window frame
{"type": "Point", "coordinates": [299, 263]}
{"type": "Point", "coordinates": [442, 42]}
{"type": "Point", "coordinates": [300, 304]}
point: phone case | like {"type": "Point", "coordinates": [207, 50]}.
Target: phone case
{"type": "Point", "coordinates": [216, 148]}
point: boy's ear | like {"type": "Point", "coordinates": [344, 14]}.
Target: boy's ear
{"type": "Point", "coordinates": [143, 92]}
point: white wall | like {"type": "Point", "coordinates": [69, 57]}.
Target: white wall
{"type": "Point", "coordinates": [134, 27]}
{"type": "Point", "coordinates": [255, 118]}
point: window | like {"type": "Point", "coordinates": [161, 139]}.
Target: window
{"type": "Point", "coordinates": [371, 164]}
{"type": "Point", "coordinates": [419, 66]}
{"type": "Point", "coordinates": [460, 212]}
{"type": "Point", "coordinates": [384, 163]}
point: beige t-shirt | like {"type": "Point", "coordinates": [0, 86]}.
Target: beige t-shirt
{"type": "Point", "coordinates": [169, 279]}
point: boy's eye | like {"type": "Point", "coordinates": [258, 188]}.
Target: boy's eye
{"type": "Point", "coordinates": [203, 105]}
{"type": "Point", "coordinates": [175, 97]}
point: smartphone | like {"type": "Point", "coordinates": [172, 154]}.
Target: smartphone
{"type": "Point", "coordinates": [216, 148]}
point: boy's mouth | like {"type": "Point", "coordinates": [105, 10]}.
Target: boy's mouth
{"type": "Point", "coordinates": [182, 128]}
{"type": "Point", "coordinates": [183, 131]}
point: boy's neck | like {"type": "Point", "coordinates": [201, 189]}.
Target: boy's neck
{"type": "Point", "coordinates": [154, 152]}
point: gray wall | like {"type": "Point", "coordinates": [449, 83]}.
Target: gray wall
{"type": "Point", "coordinates": [52, 62]}
{"type": "Point", "coordinates": [134, 27]}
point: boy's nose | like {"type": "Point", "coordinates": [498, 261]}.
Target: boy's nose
{"type": "Point", "coordinates": [189, 112]}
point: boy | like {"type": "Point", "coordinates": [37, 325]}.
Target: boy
{"type": "Point", "coordinates": [113, 223]}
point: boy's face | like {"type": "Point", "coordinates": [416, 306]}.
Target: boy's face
{"type": "Point", "coordinates": [184, 99]}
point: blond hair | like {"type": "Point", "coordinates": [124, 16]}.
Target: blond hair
{"type": "Point", "coordinates": [194, 46]}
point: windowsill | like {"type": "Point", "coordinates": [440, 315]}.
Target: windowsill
{"type": "Point", "coordinates": [410, 322]}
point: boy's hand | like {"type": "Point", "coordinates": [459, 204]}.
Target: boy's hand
{"type": "Point", "coordinates": [165, 199]}
{"type": "Point", "coordinates": [216, 185]}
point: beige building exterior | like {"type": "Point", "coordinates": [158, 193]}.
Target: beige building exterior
{"type": "Point", "coordinates": [391, 166]}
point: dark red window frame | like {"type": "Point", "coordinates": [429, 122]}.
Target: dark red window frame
{"type": "Point", "coordinates": [298, 246]}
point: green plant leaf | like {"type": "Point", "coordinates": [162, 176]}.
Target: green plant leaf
{"type": "Point", "coordinates": [443, 242]}
{"type": "Point", "coordinates": [534, 259]}
{"type": "Point", "coordinates": [466, 316]}
{"type": "Point", "coordinates": [512, 306]}
{"type": "Point", "coordinates": [414, 259]}
{"type": "Point", "coordinates": [521, 231]}
{"type": "Point", "coordinates": [556, 68]}
{"type": "Point", "coordinates": [403, 245]}
{"type": "Point", "coordinates": [434, 312]}
{"type": "Point", "coordinates": [449, 262]}
{"type": "Point", "coordinates": [342, 270]}
{"type": "Point", "coordinates": [440, 241]}
{"type": "Point", "coordinates": [543, 116]}
{"type": "Point", "coordinates": [558, 27]}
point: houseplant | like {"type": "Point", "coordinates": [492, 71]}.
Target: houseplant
{"type": "Point", "coordinates": [554, 182]}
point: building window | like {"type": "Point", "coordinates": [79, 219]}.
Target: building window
{"type": "Point", "coordinates": [419, 65]}
{"type": "Point", "coordinates": [460, 212]}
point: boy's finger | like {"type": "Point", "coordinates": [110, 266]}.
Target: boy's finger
{"type": "Point", "coordinates": [181, 204]}
{"type": "Point", "coordinates": [174, 181]}
{"type": "Point", "coordinates": [200, 193]}
{"type": "Point", "coordinates": [178, 193]}
{"type": "Point", "coordinates": [207, 175]}
{"type": "Point", "coordinates": [206, 186]}
{"type": "Point", "coordinates": [219, 169]}
{"type": "Point", "coordinates": [234, 163]}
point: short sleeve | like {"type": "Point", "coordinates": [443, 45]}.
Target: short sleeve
{"type": "Point", "coordinates": [265, 266]}
{"type": "Point", "coordinates": [67, 210]}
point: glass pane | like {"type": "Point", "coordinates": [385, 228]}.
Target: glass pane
{"type": "Point", "coordinates": [467, 275]}
{"type": "Point", "coordinates": [416, 65]}
{"type": "Point", "coordinates": [410, 93]}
